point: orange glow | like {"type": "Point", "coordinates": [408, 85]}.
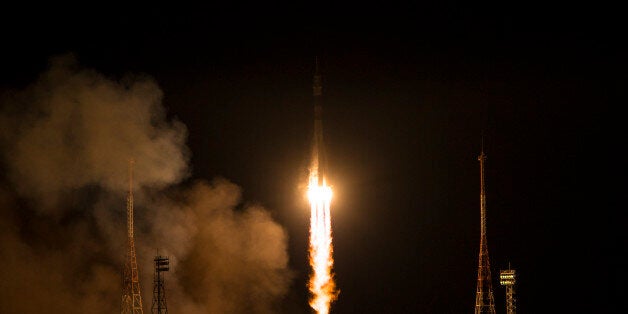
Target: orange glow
{"type": "Point", "coordinates": [321, 284]}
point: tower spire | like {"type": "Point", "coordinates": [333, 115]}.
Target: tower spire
{"type": "Point", "coordinates": [484, 301]}
{"type": "Point", "coordinates": [131, 297]}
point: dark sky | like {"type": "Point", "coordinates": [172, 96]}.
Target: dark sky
{"type": "Point", "coordinates": [408, 93]}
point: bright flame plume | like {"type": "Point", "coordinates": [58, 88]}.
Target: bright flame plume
{"type": "Point", "coordinates": [321, 284]}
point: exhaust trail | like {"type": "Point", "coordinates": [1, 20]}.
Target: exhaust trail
{"type": "Point", "coordinates": [321, 284]}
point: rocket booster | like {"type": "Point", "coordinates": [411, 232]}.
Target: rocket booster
{"type": "Point", "coordinates": [318, 152]}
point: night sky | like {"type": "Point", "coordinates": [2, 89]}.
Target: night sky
{"type": "Point", "coordinates": [408, 95]}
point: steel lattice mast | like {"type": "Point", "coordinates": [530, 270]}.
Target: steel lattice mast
{"type": "Point", "coordinates": [484, 302]}
{"type": "Point", "coordinates": [131, 297]}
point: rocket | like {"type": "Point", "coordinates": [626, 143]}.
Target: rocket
{"type": "Point", "coordinates": [321, 282]}
{"type": "Point", "coordinates": [319, 161]}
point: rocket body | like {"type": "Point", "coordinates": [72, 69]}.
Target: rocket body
{"type": "Point", "coordinates": [319, 162]}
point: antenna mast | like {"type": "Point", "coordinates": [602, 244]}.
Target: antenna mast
{"type": "Point", "coordinates": [131, 297]}
{"type": "Point", "coordinates": [484, 302]}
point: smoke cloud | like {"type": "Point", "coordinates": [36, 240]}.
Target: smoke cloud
{"type": "Point", "coordinates": [76, 128]}
{"type": "Point", "coordinates": [66, 141]}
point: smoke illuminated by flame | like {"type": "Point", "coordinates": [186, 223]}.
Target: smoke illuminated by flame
{"type": "Point", "coordinates": [321, 284]}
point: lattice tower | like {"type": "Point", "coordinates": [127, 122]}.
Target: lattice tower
{"type": "Point", "coordinates": [131, 297]}
{"type": "Point", "coordinates": [484, 301]}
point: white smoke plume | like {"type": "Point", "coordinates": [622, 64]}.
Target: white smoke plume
{"type": "Point", "coordinates": [66, 141]}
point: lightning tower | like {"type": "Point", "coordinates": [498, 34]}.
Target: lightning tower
{"type": "Point", "coordinates": [131, 297]}
{"type": "Point", "coordinates": [484, 302]}
{"type": "Point", "coordinates": [159, 292]}
{"type": "Point", "coordinates": [507, 279]}
{"type": "Point", "coordinates": [321, 284]}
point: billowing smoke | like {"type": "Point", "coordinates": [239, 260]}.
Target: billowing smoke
{"type": "Point", "coordinates": [66, 141]}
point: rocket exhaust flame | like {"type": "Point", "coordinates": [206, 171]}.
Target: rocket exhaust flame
{"type": "Point", "coordinates": [321, 283]}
